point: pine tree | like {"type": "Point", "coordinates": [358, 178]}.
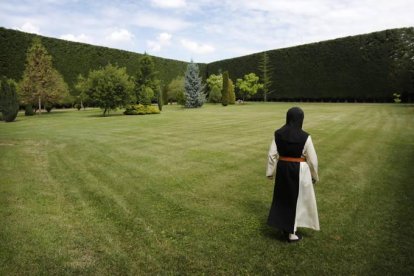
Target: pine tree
{"type": "Point", "coordinates": [193, 88]}
{"type": "Point", "coordinates": [9, 105]}
{"type": "Point", "coordinates": [266, 74]}
{"type": "Point", "coordinates": [225, 90]}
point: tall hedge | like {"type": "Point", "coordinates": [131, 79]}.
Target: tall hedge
{"type": "Point", "coordinates": [73, 58]}
{"type": "Point", "coordinates": [353, 68]}
{"type": "Point", "coordinates": [361, 67]}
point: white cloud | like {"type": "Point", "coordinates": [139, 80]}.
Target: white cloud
{"type": "Point", "coordinates": [169, 3]}
{"type": "Point", "coordinates": [196, 47]}
{"type": "Point", "coordinates": [157, 21]}
{"type": "Point", "coordinates": [77, 38]}
{"type": "Point", "coordinates": [163, 39]}
{"type": "Point", "coordinates": [120, 35]}
{"type": "Point", "coordinates": [29, 27]}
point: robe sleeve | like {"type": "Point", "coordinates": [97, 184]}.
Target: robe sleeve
{"type": "Point", "coordinates": [272, 159]}
{"type": "Point", "coordinates": [311, 158]}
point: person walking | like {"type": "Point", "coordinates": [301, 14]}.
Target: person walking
{"type": "Point", "coordinates": [293, 159]}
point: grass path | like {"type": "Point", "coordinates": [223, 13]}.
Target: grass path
{"type": "Point", "coordinates": [184, 192]}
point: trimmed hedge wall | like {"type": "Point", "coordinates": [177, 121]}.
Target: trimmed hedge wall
{"type": "Point", "coordinates": [357, 68]}
{"type": "Point", "coordinates": [73, 58]}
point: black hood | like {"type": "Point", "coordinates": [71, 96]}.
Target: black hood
{"type": "Point", "coordinates": [292, 131]}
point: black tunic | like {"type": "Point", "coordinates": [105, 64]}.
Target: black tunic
{"type": "Point", "coordinates": [290, 141]}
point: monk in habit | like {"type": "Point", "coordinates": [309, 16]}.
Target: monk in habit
{"type": "Point", "coordinates": [293, 157]}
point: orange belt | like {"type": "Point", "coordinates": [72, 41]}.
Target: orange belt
{"type": "Point", "coordinates": [292, 159]}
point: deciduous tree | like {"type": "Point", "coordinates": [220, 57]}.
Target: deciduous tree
{"type": "Point", "coordinates": [109, 87]}
{"type": "Point", "coordinates": [249, 85]}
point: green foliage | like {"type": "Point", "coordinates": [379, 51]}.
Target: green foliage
{"type": "Point", "coordinates": [361, 67]}
{"type": "Point", "coordinates": [249, 85]}
{"type": "Point", "coordinates": [160, 103]}
{"type": "Point", "coordinates": [175, 90]}
{"type": "Point", "coordinates": [9, 104]}
{"type": "Point", "coordinates": [144, 95]}
{"type": "Point", "coordinates": [193, 88]}
{"type": "Point", "coordinates": [215, 81]}
{"type": "Point", "coordinates": [41, 83]}
{"type": "Point", "coordinates": [28, 110]}
{"type": "Point", "coordinates": [164, 92]}
{"type": "Point", "coordinates": [232, 95]}
{"type": "Point", "coordinates": [73, 58]}
{"type": "Point", "coordinates": [140, 109]}
{"type": "Point", "coordinates": [146, 82]}
{"type": "Point", "coordinates": [109, 87]}
{"type": "Point", "coordinates": [215, 95]}
{"type": "Point", "coordinates": [225, 89]}
{"type": "Point", "coordinates": [266, 71]}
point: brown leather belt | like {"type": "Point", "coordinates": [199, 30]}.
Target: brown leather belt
{"type": "Point", "coordinates": [292, 159]}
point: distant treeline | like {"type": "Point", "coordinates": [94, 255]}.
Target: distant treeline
{"type": "Point", "coordinates": [368, 67]}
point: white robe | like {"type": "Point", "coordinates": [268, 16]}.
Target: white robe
{"type": "Point", "coordinates": [306, 210]}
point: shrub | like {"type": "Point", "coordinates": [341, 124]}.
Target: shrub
{"type": "Point", "coordinates": [139, 109]}
{"type": "Point", "coordinates": [78, 106]}
{"type": "Point", "coordinates": [9, 104]}
{"type": "Point", "coordinates": [28, 110]}
{"type": "Point", "coordinates": [215, 95]}
{"type": "Point", "coordinates": [48, 108]}
{"type": "Point", "coordinates": [225, 90]}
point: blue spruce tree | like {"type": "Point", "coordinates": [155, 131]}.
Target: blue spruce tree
{"type": "Point", "coordinates": [194, 90]}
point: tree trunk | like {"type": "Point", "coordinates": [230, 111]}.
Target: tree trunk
{"type": "Point", "coordinates": [40, 106]}
{"type": "Point", "coordinates": [82, 105]}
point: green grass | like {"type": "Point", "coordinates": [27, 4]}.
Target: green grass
{"type": "Point", "coordinates": [185, 192]}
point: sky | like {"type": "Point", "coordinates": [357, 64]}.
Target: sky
{"type": "Point", "coordinates": [203, 30]}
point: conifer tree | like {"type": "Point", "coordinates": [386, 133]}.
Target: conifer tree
{"type": "Point", "coordinates": [225, 90]}
{"type": "Point", "coordinates": [146, 82]}
{"type": "Point", "coordinates": [193, 88]}
{"type": "Point", "coordinates": [232, 95]}
{"type": "Point", "coordinates": [41, 83]}
{"type": "Point", "coordinates": [9, 105]}
{"type": "Point", "coordinates": [266, 74]}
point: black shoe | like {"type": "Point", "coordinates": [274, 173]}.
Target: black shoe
{"type": "Point", "coordinates": [294, 240]}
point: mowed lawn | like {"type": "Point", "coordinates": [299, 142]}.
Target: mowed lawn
{"type": "Point", "coordinates": [185, 192]}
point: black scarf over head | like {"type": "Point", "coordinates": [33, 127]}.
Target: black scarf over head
{"type": "Point", "coordinates": [292, 132]}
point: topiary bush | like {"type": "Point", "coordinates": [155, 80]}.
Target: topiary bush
{"type": "Point", "coordinates": [139, 109]}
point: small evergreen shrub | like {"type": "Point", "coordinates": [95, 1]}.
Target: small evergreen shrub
{"type": "Point", "coordinates": [9, 104]}
{"type": "Point", "coordinates": [77, 106]}
{"type": "Point", "coordinates": [28, 110]}
{"type": "Point", "coordinates": [48, 108]}
{"type": "Point", "coordinates": [139, 109]}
